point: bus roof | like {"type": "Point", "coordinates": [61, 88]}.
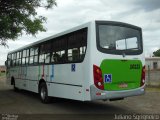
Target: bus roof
{"type": "Point", "coordinates": [68, 31]}
{"type": "Point", "coordinates": [53, 36]}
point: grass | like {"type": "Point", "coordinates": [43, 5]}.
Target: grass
{"type": "Point", "coordinates": [2, 74]}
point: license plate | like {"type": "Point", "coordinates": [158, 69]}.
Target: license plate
{"type": "Point", "coordinates": [123, 85]}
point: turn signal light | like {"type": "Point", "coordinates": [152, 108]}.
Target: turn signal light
{"type": "Point", "coordinates": [143, 76]}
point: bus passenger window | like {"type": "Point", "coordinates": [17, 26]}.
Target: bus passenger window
{"type": "Point", "coordinates": [55, 57]}
{"type": "Point", "coordinates": [23, 61]}
{"type": "Point", "coordinates": [62, 56]}
{"type": "Point", "coordinates": [36, 59]}
{"type": "Point", "coordinates": [75, 54]}
{"type": "Point", "coordinates": [41, 58]}
{"type": "Point", "coordinates": [17, 62]}
{"type": "Point", "coordinates": [24, 57]}
{"type": "Point", "coordinates": [31, 60]}
{"type": "Point", "coordinates": [82, 52]}
{"type": "Point", "coordinates": [27, 60]}
{"type": "Point", "coordinates": [14, 59]}
{"type": "Point", "coordinates": [31, 51]}
{"type": "Point", "coordinates": [27, 54]}
{"type": "Point", "coordinates": [33, 55]}
{"type": "Point", "coordinates": [70, 55]}
{"type": "Point", "coordinates": [77, 43]}
{"type": "Point", "coordinates": [9, 60]}
{"type": "Point", "coordinates": [47, 58]}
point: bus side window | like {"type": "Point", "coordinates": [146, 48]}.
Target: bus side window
{"type": "Point", "coordinates": [24, 57]}
{"type": "Point", "coordinates": [47, 58]}
{"type": "Point", "coordinates": [31, 56]}
{"type": "Point", "coordinates": [44, 52]}
{"type": "Point", "coordinates": [23, 61]}
{"type": "Point", "coordinates": [14, 59]}
{"type": "Point", "coordinates": [62, 57]}
{"type": "Point", "coordinates": [73, 54]}
{"type": "Point", "coordinates": [41, 58]}
{"type": "Point", "coordinates": [27, 60]}
{"type": "Point", "coordinates": [70, 55]}
{"type": "Point", "coordinates": [18, 59]}
{"type": "Point", "coordinates": [8, 62]}
{"type": "Point", "coordinates": [55, 57]}
{"type": "Point", "coordinates": [82, 52]}
{"type": "Point", "coordinates": [36, 49]}
{"type": "Point", "coordinates": [77, 43]}
{"type": "Point", "coordinates": [33, 59]}
{"type": "Point", "coordinates": [11, 59]}
{"type": "Point", "coordinates": [44, 58]}
{"type": "Point", "coordinates": [27, 56]}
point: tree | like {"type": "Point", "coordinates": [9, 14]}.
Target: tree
{"type": "Point", "coordinates": [20, 16]}
{"type": "Point", "coordinates": [156, 53]}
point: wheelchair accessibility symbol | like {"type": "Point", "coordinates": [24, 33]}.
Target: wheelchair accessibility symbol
{"type": "Point", "coordinates": [108, 78]}
{"type": "Point", "coordinates": [73, 67]}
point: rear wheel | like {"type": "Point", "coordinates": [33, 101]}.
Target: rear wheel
{"type": "Point", "coordinates": [43, 92]}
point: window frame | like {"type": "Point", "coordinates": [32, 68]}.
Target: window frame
{"type": "Point", "coordinates": [60, 41]}
{"type": "Point", "coordinates": [35, 54]}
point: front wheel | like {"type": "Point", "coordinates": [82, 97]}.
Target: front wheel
{"type": "Point", "coordinates": [43, 92]}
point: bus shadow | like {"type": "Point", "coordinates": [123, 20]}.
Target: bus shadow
{"type": "Point", "coordinates": [80, 107]}
{"type": "Point", "coordinates": [91, 107]}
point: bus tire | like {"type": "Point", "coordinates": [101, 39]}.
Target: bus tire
{"type": "Point", "coordinates": [43, 92]}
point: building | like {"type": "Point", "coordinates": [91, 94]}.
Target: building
{"type": "Point", "coordinates": [152, 63]}
{"type": "Point", "coordinates": [2, 69]}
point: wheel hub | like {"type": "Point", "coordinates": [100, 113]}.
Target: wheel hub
{"type": "Point", "coordinates": [43, 93]}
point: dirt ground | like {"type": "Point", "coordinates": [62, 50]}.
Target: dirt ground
{"type": "Point", "coordinates": [24, 102]}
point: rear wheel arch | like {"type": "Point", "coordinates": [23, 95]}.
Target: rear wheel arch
{"type": "Point", "coordinates": [43, 91]}
{"type": "Point", "coordinates": [40, 82]}
{"type": "Point", "coordinates": [12, 81]}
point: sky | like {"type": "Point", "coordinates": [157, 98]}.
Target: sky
{"type": "Point", "coordinates": [71, 13]}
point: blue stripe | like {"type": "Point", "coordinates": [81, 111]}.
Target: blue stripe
{"type": "Point", "coordinates": [53, 71]}
{"type": "Point", "coordinates": [52, 74]}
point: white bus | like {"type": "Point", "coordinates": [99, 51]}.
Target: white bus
{"type": "Point", "coordinates": [99, 60]}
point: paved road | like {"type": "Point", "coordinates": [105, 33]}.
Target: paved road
{"type": "Point", "coordinates": [24, 102]}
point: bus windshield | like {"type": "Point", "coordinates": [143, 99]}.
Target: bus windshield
{"type": "Point", "coordinates": [119, 39]}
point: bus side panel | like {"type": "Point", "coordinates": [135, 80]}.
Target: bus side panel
{"type": "Point", "coordinates": [68, 73]}
{"type": "Point", "coordinates": [32, 86]}
{"type": "Point", "coordinates": [14, 72]}
{"type": "Point", "coordinates": [32, 77]}
{"type": "Point", "coordinates": [32, 73]}
{"type": "Point", "coordinates": [87, 71]}
{"type": "Point", "coordinates": [65, 91]}
{"type": "Point", "coordinates": [67, 81]}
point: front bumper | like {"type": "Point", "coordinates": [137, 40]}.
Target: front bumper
{"type": "Point", "coordinates": [97, 94]}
